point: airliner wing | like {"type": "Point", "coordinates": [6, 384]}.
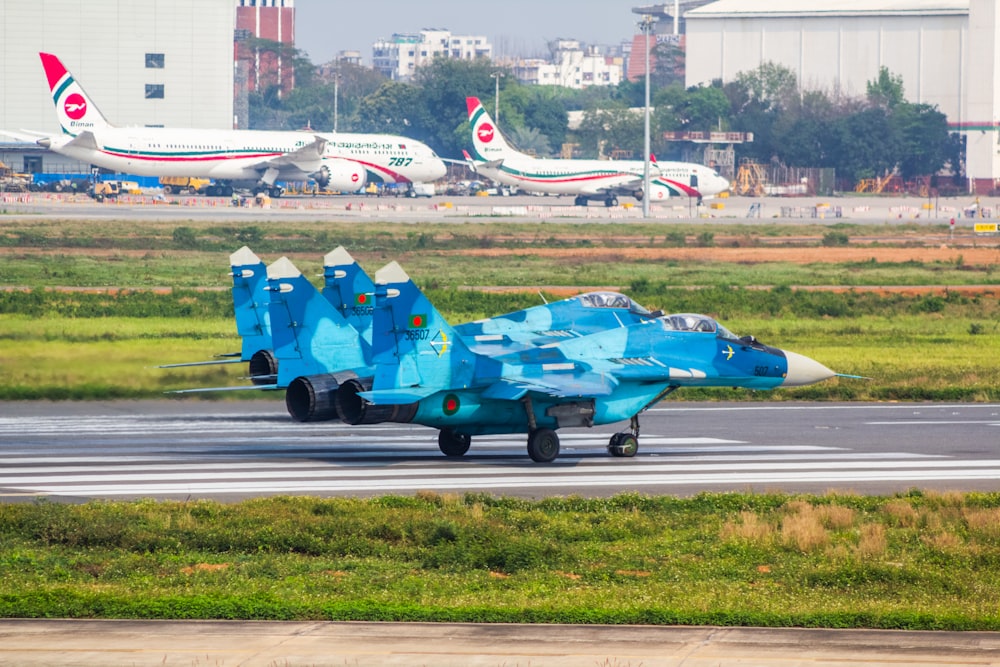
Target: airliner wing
{"type": "Point", "coordinates": [624, 184]}
{"type": "Point", "coordinates": [27, 136]}
{"type": "Point", "coordinates": [308, 158]}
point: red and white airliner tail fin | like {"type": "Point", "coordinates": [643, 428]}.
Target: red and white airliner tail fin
{"type": "Point", "coordinates": [74, 107]}
{"type": "Point", "coordinates": [488, 143]}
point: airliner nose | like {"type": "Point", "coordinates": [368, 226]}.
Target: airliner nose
{"type": "Point", "coordinates": [802, 371]}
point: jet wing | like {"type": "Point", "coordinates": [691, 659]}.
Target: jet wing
{"type": "Point", "coordinates": [205, 390]}
{"type": "Point", "coordinates": [557, 385]}
{"type": "Point", "coordinates": [401, 396]}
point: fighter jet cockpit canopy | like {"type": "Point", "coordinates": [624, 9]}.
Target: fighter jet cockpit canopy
{"type": "Point", "coordinates": [613, 300]}
{"type": "Point", "coordinates": [696, 322]}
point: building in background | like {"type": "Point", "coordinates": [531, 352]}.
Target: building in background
{"type": "Point", "coordinates": [145, 62]}
{"type": "Point", "coordinates": [945, 51]}
{"type": "Point", "coordinates": [265, 39]}
{"type": "Point", "coordinates": [404, 53]}
{"type": "Point", "coordinates": [668, 28]}
{"type": "Point", "coordinates": [572, 66]}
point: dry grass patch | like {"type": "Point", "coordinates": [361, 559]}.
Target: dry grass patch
{"type": "Point", "coordinates": [983, 522]}
{"type": "Point", "coordinates": [872, 542]}
{"type": "Point", "coordinates": [802, 528]}
{"type": "Point", "coordinates": [901, 513]}
{"type": "Point", "coordinates": [835, 517]}
{"type": "Point", "coordinates": [748, 527]}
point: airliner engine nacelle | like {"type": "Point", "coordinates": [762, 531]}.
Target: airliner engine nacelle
{"type": "Point", "coordinates": [658, 192]}
{"type": "Point", "coordinates": [342, 175]}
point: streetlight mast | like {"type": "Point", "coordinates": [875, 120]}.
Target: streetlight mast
{"type": "Point", "coordinates": [646, 25]}
{"type": "Point", "coordinates": [496, 97]}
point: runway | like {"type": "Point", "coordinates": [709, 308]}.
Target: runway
{"type": "Point", "coordinates": [236, 450]}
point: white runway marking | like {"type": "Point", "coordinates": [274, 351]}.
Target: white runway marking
{"type": "Point", "coordinates": [221, 454]}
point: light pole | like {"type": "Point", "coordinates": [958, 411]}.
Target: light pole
{"type": "Point", "coordinates": [336, 86]}
{"type": "Point", "coordinates": [646, 25]}
{"type": "Point", "coordinates": [496, 97]}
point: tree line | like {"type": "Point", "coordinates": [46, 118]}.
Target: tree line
{"type": "Point", "coordinates": [860, 137]}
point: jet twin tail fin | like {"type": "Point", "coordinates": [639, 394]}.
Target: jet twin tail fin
{"type": "Point", "coordinates": [349, 290]}
{"type": "Point", "coordinates": [250, 299]}
{"type": "Point", "coordinates": [310, 337]}
{"type": "Point", "coordinates": [413, 346]}
{"type": "Point", "coordinates": [74, 108]}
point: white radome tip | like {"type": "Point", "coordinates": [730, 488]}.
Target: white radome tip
{"type": "Point", "coordinates": [282, 268]}
{"type": "Point", "coordinates": [338, 257]}
{"type": "Point", "coordinates": [243, 257]}
{"type": "Point", "coordinates": [802, 371]}
{"type": "Point", "coordinates": [391, 273]}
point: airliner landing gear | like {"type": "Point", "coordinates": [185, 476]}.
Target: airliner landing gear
{"type": "Point", "coordinates": [219, 190]}
{"type": "Point", "coordinates": [452, 443]}
{"type": "Point", "coordinates": [611, 201]}
{"type": "Point", "coordinates": [626, 443]}
{"type": "Point", "coordinates": [580, 201]}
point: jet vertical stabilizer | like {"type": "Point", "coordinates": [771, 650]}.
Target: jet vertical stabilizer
{"type": "Point", "coordinates": [77, 113]}
{"type": "Point", "coordinates": [349, 290]}
{"type": "Point", "coordinates": [316, 348]}
{"type": "Point", "coordinates": [250, 298]}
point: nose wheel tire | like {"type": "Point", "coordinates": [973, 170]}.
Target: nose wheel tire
{"type": "Point", "coordinates": [452, 443]}
{"type": "Point", "coordinates": [543, 445]}
{"type": "Point", "coordinates": [623, 445]}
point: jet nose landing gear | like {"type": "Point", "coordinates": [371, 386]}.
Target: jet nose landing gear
{"type": "Point", "coordinates": [626, 443]}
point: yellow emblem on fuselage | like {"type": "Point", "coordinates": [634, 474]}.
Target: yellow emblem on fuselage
{"type": "Point", "coordinates": [728, 352]}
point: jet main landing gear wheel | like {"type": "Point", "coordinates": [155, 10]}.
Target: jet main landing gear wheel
{"type": "Point", "coordinates": [623, 445]}
{"type": "Point", "coordinates": [452, 443]}
{"type": "Point", "coordinates": [543, 445]}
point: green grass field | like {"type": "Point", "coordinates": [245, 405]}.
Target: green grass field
{"type": "Point", "coordinates": [918, 560]}
{"type": "Point", "coordinates": [915, 561]}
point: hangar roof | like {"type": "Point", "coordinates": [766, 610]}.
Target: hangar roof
{"type": "Point", "coordinates": [772, 8]}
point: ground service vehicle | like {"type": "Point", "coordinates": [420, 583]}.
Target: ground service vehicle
{"type": "Point", "coordinates": [181, 184]}
{"type": "Point", "coordinates": [111, 189]}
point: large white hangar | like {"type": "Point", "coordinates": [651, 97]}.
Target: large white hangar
{"type": "Point", "coordinates": [144, 62]}
{"type": "Point", "coordinates": [944, 50]}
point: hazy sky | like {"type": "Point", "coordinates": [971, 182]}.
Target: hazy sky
{"type": "Point", "coordinates": [325, 27]}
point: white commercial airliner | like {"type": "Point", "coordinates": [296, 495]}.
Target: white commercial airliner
{"type": "Point", "coordinates": [342, 161]}
{"type": "Point", "coordinates": [494, 158]}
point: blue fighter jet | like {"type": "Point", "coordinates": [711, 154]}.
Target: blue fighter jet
{"type": "Point", "coordinates": [369, 352]}
{"type": "Point", "coordinates": [425, 373]}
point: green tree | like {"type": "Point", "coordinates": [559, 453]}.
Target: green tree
{"type": "Point", "coordinates": [923, 135]}
{"type": "Point", "coordinates": [443, 86]}
{"type": "Point", "coordinates": [395, 108]}
{"type": "Point", "coordinates": [886, 90]}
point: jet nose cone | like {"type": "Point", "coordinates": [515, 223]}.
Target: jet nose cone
{"type": "Point", "coordinates": [44, 142]}
{"type": "Point", "coordinates": [802, 371]}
